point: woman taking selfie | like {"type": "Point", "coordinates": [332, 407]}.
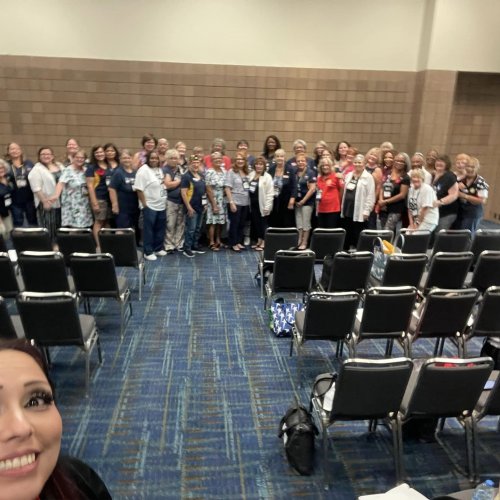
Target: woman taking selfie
{"type": "Point", "coordinates": [30, 434]}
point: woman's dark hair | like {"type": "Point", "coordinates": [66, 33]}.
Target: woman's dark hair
{"type": "Point", "coordinates": [111, 145]}
{"type": "Point", "coordinates": [242, 141]}
{"type": "Point", "coordinates": [445, 159]}
{"type": "Point", "coordinates": [265, 149]}
{"type": "Point", "coordinates": [148, 156]}
{"type": "Point", "coordinates": [261, 160]}
{"type": "Point", "coordinates": [41, 149]}
{"type": "Point", "coordinates": [92, 153]}
{"type": "Point", "coordinates": [393, 152]}
{"type": "Point", "coordinates": [336, 152]}
{"type": "Point", "coordinates": [149, 137]}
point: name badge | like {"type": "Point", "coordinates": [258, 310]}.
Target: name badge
{"type": "Point", "coordinates": [351, 186]}
{"type": "Point", "coordinates": [319, 194]}
{"type": "Point", "coordinates": [276, 191]}
{"type": "Point", "coordinates": [387, 193]}
{"type": "Point", "coordinates": [85, 191]}
{"type": "Point", "coordinates": [21, 183]}
{"type": "Point", "coordinates": [163, 193]}
{"type": "Point", "coordinates": [253, 186]}
{"type": "Point", "coordinates": [129, 180]}
{"type": "Point", "coordinates": [204, 200]}
{"type": "Point", "coordinates": [108, 181]}
{"type": "Point", "coordinates": [286, 177]}
{"type": "Point", "coordinates": [246, 186]}
{"type": "Point", "coordinates": [7, 201]}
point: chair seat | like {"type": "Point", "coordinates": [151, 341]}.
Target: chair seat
{"type": "Point", "coordinates": [300, 317]}
{"type": "Point", "coordinates": [87, 323]}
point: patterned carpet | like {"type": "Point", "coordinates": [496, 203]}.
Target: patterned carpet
{"type": "Point", "coordinates": [188, 404]}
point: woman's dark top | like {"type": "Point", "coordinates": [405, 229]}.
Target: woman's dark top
{"type": "Point", "coordinates": [392, 187]}
{"type": "Point", "coordinates": [474, 188]}
{"type": "Point", "coordinates": [84, 481]}
{"type": "Point", "coordinates": [441, 186]}
{"type": "Point", "coordinates": [254, 194]}
{"type": "Point", "coordinates": [5, 199]}
{"type": "Point", "coordinates": [302, 188]}
{"type": "Point", "coordinates": [350, 197]}
{"type": "Point", "coordinates": [18, 179]}
{"type": "Point", "coordinates": [285, 187]}
{"type": "Point", "coordinates": [102, 178]}
{"type": "Point", "coordinates": [123, 182]}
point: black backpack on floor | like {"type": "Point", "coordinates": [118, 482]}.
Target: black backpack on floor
{"type": "Point", "coordinates": [298, 430]}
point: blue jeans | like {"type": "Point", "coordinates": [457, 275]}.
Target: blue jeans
{"type": "Point", "coordinates": [18, 212]}
{"type": "Point", "coordinates": [192, 230]}
{"type": "Point", "coordinates": [155, 223]}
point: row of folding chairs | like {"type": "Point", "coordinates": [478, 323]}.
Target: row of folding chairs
{"type": "Point", "coordinates": [92, 276]}
{"type": "Point", "coordinates": [52, 319]}
{"type": "Point", "coordinates": [121, 243]}
{"type": "Point", "coordinates": [398, 390]}
{"type": "Point", "coordinates": [389, 313]}
{"type": "Point", "coordinates": [293, 272]}
{"type": "Point", "coordinates": [331, 241]}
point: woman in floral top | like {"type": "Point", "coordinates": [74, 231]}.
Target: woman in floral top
{"type": "Point", "coordinates": [72, 188]}
{"type": "Point", "coordinates": [216, 210]}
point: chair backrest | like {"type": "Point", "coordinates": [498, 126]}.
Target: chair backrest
{"type": "Point", "coordinates": [330, 316]}
{"type": "Point", "coordinates": [485, 239]}
{"type": "Point", "coordinates": [404, 269]}
{"type": "Point", "coordinates": [35, 239]}
{"type": "Point", "coordinates": [279, 238]}
{"type": "Point", "coordinates": [487, 322]}
{"type": "Point", "coordinates": [446, 387]}
{"type": "Point", "coordinates": [448, 270]}
{"type": "Point", "coordinates": [71, 240]}
{"type": "Point", "coordinates": [121, 244]}
{"type": "Point", "coordinates": [43, 271]}
{"type": "Point", "coordinates": [370, 389]}
{"type": "Point", "coordinates": [7, 330]}
{"type": "Point", "coordinates": [445, 313]}
{"type": "Point", "coordinates": [50, 318]}
{"type": "Point", "coordinates": [387, 311]}
{"type": "Point", "coordinates": [350, 271]}
{"type": "Point", "coordinates": [293, 271]}
{"type": "Point", "coordinates": [94, 274]}
{"type": "Point", "coordinates": [413, 241]}
{"type": "Point", "coordinates": [486, 271]}
{"type": "Point", "coordinates": [9, 287]}
{"type": "Point", "coordinates": [367, 238]}
{"type": "Point", "coordinates": [452, 240]}
{"type": "Point", "coordinates": [327, 242]}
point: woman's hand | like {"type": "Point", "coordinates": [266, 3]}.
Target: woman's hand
{"type": "Point", "coordinates": [291, 205]}
{"type": "Point", "coordinates": [114, 208]}
{"type": "Point", "coordinates": [232, 207]}
{"type": "Point", "coordinates": [215, 209]}
{"type": "Point", "coordinates": [47, 205]}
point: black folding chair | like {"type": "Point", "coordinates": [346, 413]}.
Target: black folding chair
{"type": "Point", "coordinates": [327, 242]}
{"type": "Point", "coordinates": [121, 244]}
{"type": "Point", "coordinates": [327, 316]}
{"type": "Point", "coordinates": [485, 239]}
{"type": "Point", "coordinates": [486, 271]}
{"type": "Point", "coordinates": [349, 272]}
{"type": "Point", "coordinates": [52, 319]}
{"type": "Point", "coordinates": [447, 270]}
{"type": "Point", "coordinates": [95, 276]}
{"type": "Point", "coordinates": [364, 390]}
{"type": "Point", "coordinates": [445, 388]}
{"type": "Point", "coordinates": [293, 272]}
{"type": "Point", "coordinates": [413, 241]}
{"type": "Point", "coordinates": [444, 314]}
{"type": "Point", "coordinates": [276, 238]}
{"type": "Point", "coordinates": [367, 238]}
{"type": "Point", "coordinates": [10, 283]}
{"type": "Point", "coordinates": [452, 240]}
{"type": "Point", "coordinates": [44, 272]}
{"type": "Point", "coordinates": [402, 269]}
{"type": "Point", "coordinates": [386, 314]}
{"type": "Point", "coordinates": [10, 326]}
{"type": "Point", "coordinates": [35, 239]}
{"type": "Point", "coordinates": [71, 240]}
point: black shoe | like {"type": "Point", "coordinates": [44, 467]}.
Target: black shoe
{"type": "Point", "coordinates": [188, 253]}
{"type": "Point", "coordinates": [199, 250]}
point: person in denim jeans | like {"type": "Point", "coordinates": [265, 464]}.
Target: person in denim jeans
{"type": "Point", "coordinates": [193, 192]}
{"type": "Point", "coordinates": [153, 196]}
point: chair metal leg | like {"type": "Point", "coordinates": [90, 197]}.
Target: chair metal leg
{"type": "Point", "coordinates": [400, 468]}
{"type": "Point", "coordinates": [326, 468]}
{"type": "Point", "coordinates": [261, 272]}
{"type": "Point", "coordinates": [87, 373]}
{"type": "Point", "coordinates": [395, 450]}
{"type": "Point", "coordinates": [98, 342]}
{"type": "Point", "coordinates": [470, 449]}
{"type": "Point", "coordinates": [142, 279]}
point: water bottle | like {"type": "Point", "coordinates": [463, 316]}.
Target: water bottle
{"type": "Point", "coordinates": [484, 491]}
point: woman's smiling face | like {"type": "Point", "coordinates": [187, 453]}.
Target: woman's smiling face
{"type": "Point", "coordinates": [30, 427]}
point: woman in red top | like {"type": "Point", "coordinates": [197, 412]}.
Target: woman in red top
{"type": "Point", "coordinates": [329, 194]}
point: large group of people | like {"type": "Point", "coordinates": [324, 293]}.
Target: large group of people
{"type": "Point", "coordinates": [173, 199]}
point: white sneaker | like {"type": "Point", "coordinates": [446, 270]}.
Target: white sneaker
{"type": "Point", "coordinates": [246, 241]}
{"type": "Point", "coordinates": [161, 253]}
{"type": "Point", "coordinates": [151, 256]}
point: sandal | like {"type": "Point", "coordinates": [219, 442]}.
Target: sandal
{"type": "Point", "coordinates": [213, 247]}
{"type": "Point", "coordinates": [235, 249]}
{"type": "Point", "coordinates": [259, 249]}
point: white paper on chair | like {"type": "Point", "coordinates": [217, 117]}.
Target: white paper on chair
{"type": "Point", "coordinates": [401, 492]}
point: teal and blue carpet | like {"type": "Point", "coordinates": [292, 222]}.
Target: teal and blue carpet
{"type": "Point", "coordinates": [188, 404]}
